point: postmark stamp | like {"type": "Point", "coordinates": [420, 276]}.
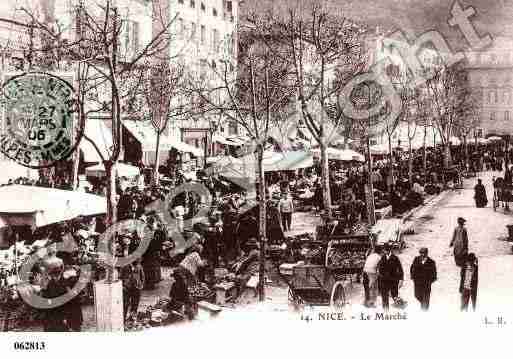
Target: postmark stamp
{"type": "Point", "coordinates": [38, 123]}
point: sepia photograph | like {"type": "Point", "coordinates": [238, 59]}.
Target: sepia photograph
{"type": "Point", "coordinates": [194, 168]}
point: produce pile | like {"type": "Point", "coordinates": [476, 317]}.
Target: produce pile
{"type": "Point", "coordinates": [200, 291]}
{"type": "Point", "coordinates": [346, 259]}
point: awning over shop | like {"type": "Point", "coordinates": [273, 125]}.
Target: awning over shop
{"type": "Point", "coordinates": [39, 206]}
{"type": "Point", "coordinates": [341, 155]}
{"type": "Point", "coordinates": [13, 170]}
{"type": "Point", "coordinates": [225, 141]}
{"type": "Point", "coordinates": [145, 133]}
{"type": "Point", "coordinates": [101, 135]}
{"type": "Point", "coordinates": [122, 170]}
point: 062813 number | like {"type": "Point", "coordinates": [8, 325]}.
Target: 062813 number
{"type": "Point", "coordinates": [29, 345]}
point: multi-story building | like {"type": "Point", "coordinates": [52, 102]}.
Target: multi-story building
{"type": "Point", "coordinates": [491, 78]}
{"type": "Point", "coordinates": [202, 33]}
{"type": "Point", "coordinates": [204, 41]}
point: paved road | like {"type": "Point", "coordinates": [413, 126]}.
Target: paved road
{"type": "Point", "coordinates": [487, 234]}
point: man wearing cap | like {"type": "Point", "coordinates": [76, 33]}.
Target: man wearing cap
{"type": "Point", "coordinates": [423, 274]}
{"type": "Point", "coordinates": [460, 242]}
{"type": "Point", "coordinates": [390, 276]}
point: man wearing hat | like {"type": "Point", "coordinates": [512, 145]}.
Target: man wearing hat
{"type": "Point", "coordinates": [390, 276]}
{"type": "Point", "coordinates": [460, 242]}
{"type": "Point", "coordinates": [423, 274]}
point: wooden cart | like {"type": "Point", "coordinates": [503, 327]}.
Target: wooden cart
{"type": "Point", "coordinates": [324, 285]}
{"type": "Point", "coordinates": [313, 285]}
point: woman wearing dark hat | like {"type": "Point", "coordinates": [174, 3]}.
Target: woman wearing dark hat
{"type": "Point", "coordinates": [460, 242]}
{"type": "Point", "coordinates": [468, 282]}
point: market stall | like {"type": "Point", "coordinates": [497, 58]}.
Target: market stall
{"type": "Point", "coordinates": [39, 206]}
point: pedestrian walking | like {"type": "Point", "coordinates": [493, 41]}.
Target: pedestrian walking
{"type": "Point", "coordinates": [460, 242]}
{"type": "Point", "coordinates": [468, 282]}
{"type": "Point", "coordinates": [390, 276]}
{"type": "Point", "coordinates": [370, 270]}
{"type": "Point", "coordinates": [480, 194]}
{"type": "Point", "coordinates": [423, 274]}
{"type": "Point", "coordinates": [286, 206]}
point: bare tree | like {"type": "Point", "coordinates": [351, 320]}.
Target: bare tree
{"type": "Point", "coordinates": [106, 70]}
{"type": "Point", "coordinates": [256, 99]}
{"type": "Point", "coordinates": [448, 89]}
{"type": "Point", "coordinates": [326, 52]}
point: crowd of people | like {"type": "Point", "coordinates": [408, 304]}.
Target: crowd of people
{"type": "Point", "coordinates": [229, 237]}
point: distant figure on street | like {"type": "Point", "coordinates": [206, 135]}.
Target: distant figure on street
{"type": "Point", "coordinates": [423, 274]}
{"type": "Point", "coordinates": [460, 242]}
{"type": "Point", "coordinates": [468, 282]}
{"type": "Point", "coordinates": [390, 276]}
{"type": "Point", "coordinates": [480, 195]}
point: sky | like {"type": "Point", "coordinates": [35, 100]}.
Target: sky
{"type": "Point", "coordinates": [417, 16]}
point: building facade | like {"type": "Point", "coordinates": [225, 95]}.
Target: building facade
{"type": "Point", "coordinates": [491, 78]}
{"type": "Point", "coordinates": [203, 39]}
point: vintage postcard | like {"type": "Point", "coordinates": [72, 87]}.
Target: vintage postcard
{"type": "Point", "coordinates": [273, 169]}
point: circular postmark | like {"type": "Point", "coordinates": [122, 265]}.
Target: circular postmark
{"type": "Point", "coordinates": [38, 126]}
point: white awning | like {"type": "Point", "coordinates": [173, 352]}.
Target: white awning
{"type": "Point", "coordinates": [101, 135]}
{"type": "Point", "coordinates": [39, 206]}
{"type": "Point", "coordinates": [225, 141]}
{"type": "Point", "coordinates": [122, 170]}
{"type": "Point", "coordinates": [145, 133]}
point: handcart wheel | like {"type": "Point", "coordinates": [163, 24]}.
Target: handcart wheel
{"type": "Point", "coordinates": [338, 295]}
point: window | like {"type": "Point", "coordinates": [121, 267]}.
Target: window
{"type": "Point", "coordinates": [180, 1]}
{"type": "Point", "coordinates": [202, 35]}
{"type": "Point", "coordinates": [506, 115]}
{"type": "Point", "coordinates": [135, 36]}
{"type": "Point", "coordinates": [193, 30]}
{"type": "Point", "coordinates": [214, 65]}
{"type": "Point", "coordinates": [203, 69]}
{"type": "Point", "coordinates": [233, 128]}
{"type": "Point", "coordinates": [180, 26]}
{"type": "Point", "coordinates": [193, 4]}
{"type": "Point", "coordinates": [492, 116]}
{"type": "Point", "coordinates": [203, 8]}
{"type": "Point", "coordinates": [505, 97]}
{"type": "Point", "coordinates": [215, 40]}
{"type": "Point", "coordinates": [214, 11]}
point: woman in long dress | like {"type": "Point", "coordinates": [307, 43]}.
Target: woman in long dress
{"type": "Point", "coordinates": [480, 195]}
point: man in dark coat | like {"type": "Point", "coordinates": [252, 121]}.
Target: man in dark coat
{"type": "Point", "coordinates": [390, 276]}
{"type": "Point", "coordinates": [423, 274]}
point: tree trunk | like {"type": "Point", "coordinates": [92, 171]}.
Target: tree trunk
{"type": "Point", "coordinates": [424, 155]}
{"type": "Point", "coordinates": [156, 178]}
{"type": "Point", "coordinates": [325, 180]}
{"type": "Point", "coordinates": [390, 182]}
{"type": "Point", "coordinates": [76, 162]}
{"type": "Point", "coordinates": [111, 209]}
{"type": "Point", "coordinates": [410, 162]}
{"type": "Point", "coordinates": [466, 150]}
{"type": "Point", "coordinates": [262, 221]}
{"type": "Point", "coordinates": [369, 188]}
{"type": "Point", "coordinates": [447, 154]}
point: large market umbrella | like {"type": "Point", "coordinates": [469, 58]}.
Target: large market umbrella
{"type": "Point", "coordinates": [341, 154]}
{"type": "Point", "coordinates": [122, 169]}
{"type": "Point", "coordinates": [40, 206]}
